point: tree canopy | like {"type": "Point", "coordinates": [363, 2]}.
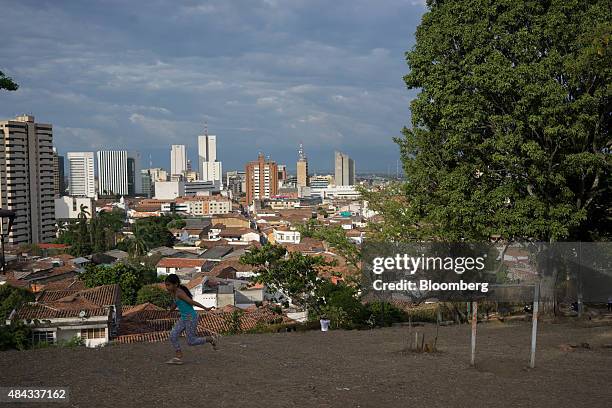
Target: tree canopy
{"type": "Point", "coordinates": [510, 130]}
{"type": "Point", "coordinates": [7, 83]}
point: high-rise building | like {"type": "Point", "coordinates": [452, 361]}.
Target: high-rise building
{"type": "Point", "coordinates": [59, 180]}
{"type": "Point", "coordinates": [27, 179]}
{"type": "Point", "coordinates": [113, 172]}
{"type": "Point", "coordinates": [178, 160]}
{"type": "Point", "coordinates": [282, 174]}
{"type": "Point", "coordinates": [302, 168]}
{"type": "Point", "coordinates": [345, 170]}
{"type": "Point", "coordinates": [148, 185]}
{"type": "Point", "coordinates": [236, 182]}
{"type": "Point", "coordinates": [210, 169]}
{"type": "Point", "coordinates": [81, 173]}
{"type": "Point", "coordinates": [133, 169]}
{"type": "Point", "coordinates": [262, 179]}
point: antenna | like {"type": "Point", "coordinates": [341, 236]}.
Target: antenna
{"type": "Point", "coordinates": [301, 155]}
{"type": "Point", "coordinates": [150, 161]}
{"type": "Point", "coordinates": [205, 128]}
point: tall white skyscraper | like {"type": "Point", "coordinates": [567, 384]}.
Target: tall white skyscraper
{"type": "Point", "coordinates": [113, 172]}
{"type": "Point", "coordinates": [344, 169]}
{"type": "Point", "coordinates": [81, 173]}
{"type": "Point", "coordinates": [178, 160]}
{"type": "Point", "coordinates": [27, 179]}
{"type": "Point", "coordinates": [209, 168]}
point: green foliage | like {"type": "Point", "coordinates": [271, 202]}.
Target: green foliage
{"type": "Point", "coordinates": [11, 298]}
{"type": "Point", "coordinates": [510, 129]}
{"type": "Point", "coordinates": [384, 313]}
{"type": "Point", "coordinates": [293, 274]}
{"type": "Point", "coordinates": [154, 294]}
{"type": "Point", "coordinates": [130, 277]}
{"type": "Point", "coordinates": [234, 322]}
{"type": "Point", "coordinates": [94, 235]}
{"type": "Point", "coordinates": [31, 249]}
{"type": "Point", "coordinates": [152, 232]}
{"type": "Point", "coordinates": [7, 83]}
{"type": "Point", "coordinates": [15, 336]}
{"type": "Point", "coordinates": [336, 238]}
{"type": "Point", "coordinates": [176, 224]}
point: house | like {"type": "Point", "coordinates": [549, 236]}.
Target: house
{"type": "Point", "coordinates": [166, 266]}
{"type": "Point", "coordinates": [285, 236]}
{"type": "Point", "coordinates": [240, 234]}
{"type": "Point", "coordinates": [211, 293]}
{"type": "Point", "coordinates": [217, 253]}
{"type": "Point", "coordinates": [231, 221]}
{"type": "Point", "coordinates": [92, 315]}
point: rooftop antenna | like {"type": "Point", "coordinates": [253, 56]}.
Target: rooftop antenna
{"type": "Point", "coordinates": [205, 128]}
{"type": "Point", "coordinates": [150, 161]}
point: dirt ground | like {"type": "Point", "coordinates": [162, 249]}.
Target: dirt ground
{"type": "Point", "coordinates": [333, 369]}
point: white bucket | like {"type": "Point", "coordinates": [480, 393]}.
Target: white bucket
{"type": "Point", "coordinates": [324, 324]}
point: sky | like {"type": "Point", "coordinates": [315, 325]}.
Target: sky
{"type": "Point", "coordinates": [264, 75]}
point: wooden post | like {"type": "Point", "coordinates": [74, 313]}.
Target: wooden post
{"type": "Point", "coordinates": [474, 323]}
{"type": "Point", "coordinates": [534, 324]}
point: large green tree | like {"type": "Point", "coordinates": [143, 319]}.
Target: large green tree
{"type": "Point", "coordinates": [130, 277]}
{"type": "Point", "coordinates": [510, 131]}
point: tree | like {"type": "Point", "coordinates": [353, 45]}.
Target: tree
{"type": "Point", "coordinates": [510, 130]}
{"type": "Point", "coordinates": [155, 295]}
{"type": "Point", "coordinates": [11, 298]}
{"type": "Point", "coordinates": [7, 83]}
{"type": "Point", "coordinates": [293, 274]}
{"type": "Point", "coordinates": [130, 277]}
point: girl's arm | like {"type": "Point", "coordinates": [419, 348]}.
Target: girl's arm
{"type": "Point", "coordinates": [183, 296]}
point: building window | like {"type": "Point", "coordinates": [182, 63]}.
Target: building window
{"type": "Point", "coordinates": [96, 333]}
{"type": "Point", "coordinates": [39, 337]}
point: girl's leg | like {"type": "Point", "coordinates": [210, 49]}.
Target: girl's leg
{"type": "Point", "coordinates": [191, 324]}
{"type": "Point", "coordinates": [174, 337]}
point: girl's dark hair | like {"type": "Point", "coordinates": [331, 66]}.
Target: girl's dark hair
{"type": "Point", "coordinates": [173, 279]}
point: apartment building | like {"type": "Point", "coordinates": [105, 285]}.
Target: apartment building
{"type": "Point", "coordinates": [262, 179]}
{"type": "Point", "coordinates": [81, 173]}
{"type": "Point", "coordinates": [27, 179]}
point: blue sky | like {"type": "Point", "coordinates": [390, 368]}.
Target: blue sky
{"type": "Point", "coordinates": [265, 75]}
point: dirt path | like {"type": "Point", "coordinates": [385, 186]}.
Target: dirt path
{"type": "Point", "coordinates": [334, 369]}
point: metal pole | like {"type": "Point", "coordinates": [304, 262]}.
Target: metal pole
{"type": "Point", "coordinates": [534, 324]}
{"type": "Point", "coordinates": [3, 258]}
{"type": "Point", "coordinates": [474, 323]}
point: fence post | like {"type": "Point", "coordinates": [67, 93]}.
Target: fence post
{"type": "Point", "coordinates": [474, 323]}
{"type": "Point", "coordinates": [534, 324]}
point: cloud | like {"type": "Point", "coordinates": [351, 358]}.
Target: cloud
{"type": "Point", "coordinates": [264, 74]}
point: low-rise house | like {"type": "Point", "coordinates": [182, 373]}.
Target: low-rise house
{"type": "Point", "coordinates": [240, 234]}
{"type": "Point", "coordinates": [166, 266]}
{"type": "Point", "coordinates": [92, 315]}
{"type": "Point", "coordinates": [285, 236]}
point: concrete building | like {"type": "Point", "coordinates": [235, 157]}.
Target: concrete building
{"type": "Point", "coordinates": [262, 179]}
{"type": "Point", "coordinates": [133, 173]}
{"type": "Point", "coordinates": [345, 170]}
{"type": "Point", "coordinates": [112, 172]}
{"type": "Point", "coordinates": [235, 182]}
{"type": "Point", "coordinates": [59, 180]}
{"type": "Point", "coordinates": [302, 168]}
{"type": "Point", "coordinates": [320, 182]}
{"type": "Point", "coordinates": [210, 169]}
{"type": "Point", "coordinates": [178, 160]}
{"type": "Point", "coordinates": [81, 173]}
{"type": "Point", "coordinates": [202, 188]}
{"type": "Point", "coordinates": [27, 179]}
{"type": "Point", "coordinates": [169, 190]}
{"type": "Point", "coordinates": [69, 208]}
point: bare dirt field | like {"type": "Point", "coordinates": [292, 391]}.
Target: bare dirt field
{"type": "Point", "coordinates": [333, 369]}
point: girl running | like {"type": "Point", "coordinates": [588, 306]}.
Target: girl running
{"type": "Point", "coordinates": [183, 300]}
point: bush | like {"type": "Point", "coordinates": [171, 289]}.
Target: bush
{"type": "Point", "coordinates": [11, 298]}
{"type": "Point", "coordinates": [384, 313]}
{"type": "Point", "coordinates": [15, 336]}
{"type": "Point", "coordinates": [154, 294]}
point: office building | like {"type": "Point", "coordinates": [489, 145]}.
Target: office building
{"type": "Point", "coordinates": [262, 179]}
{"type": "Point", "coordinates": [169, 190]}
{"type": "Point", "coordinates": [302, 168]}
{"type": "Point", "coordinates": [178, 160]}
{"type": "Point", "coordinates": [27, 179]}
{"type": "Point", "coordinates": [148, 185]}
{"type": "Point", "coordinates": [112, 172]}
{"type": "Point", "coordinates": [59, 179]}
{"type": "Point", "coordinates": [319, 182]}
{"type": "Point", "coordinates": [81, 173]}
{"type": "Point", "coordinates": [210, 169]}
{"type": "Point", "coordinates": [345, 170]}
{"type": "Point", "coordinates": [133, 170]}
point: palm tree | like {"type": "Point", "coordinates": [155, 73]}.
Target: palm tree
{"type": "Point", "coordinates": [138, 245]}
{"type": "Point", "coordinates": [83, 214]}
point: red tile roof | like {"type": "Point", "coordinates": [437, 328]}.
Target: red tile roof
{"type": "Point", "coordinates": [181, 263]}
{"type": "Point", "coordinates": [33, 311]}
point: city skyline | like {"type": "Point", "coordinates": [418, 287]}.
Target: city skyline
{"type": "Point", "coordinates": [285, 73]}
